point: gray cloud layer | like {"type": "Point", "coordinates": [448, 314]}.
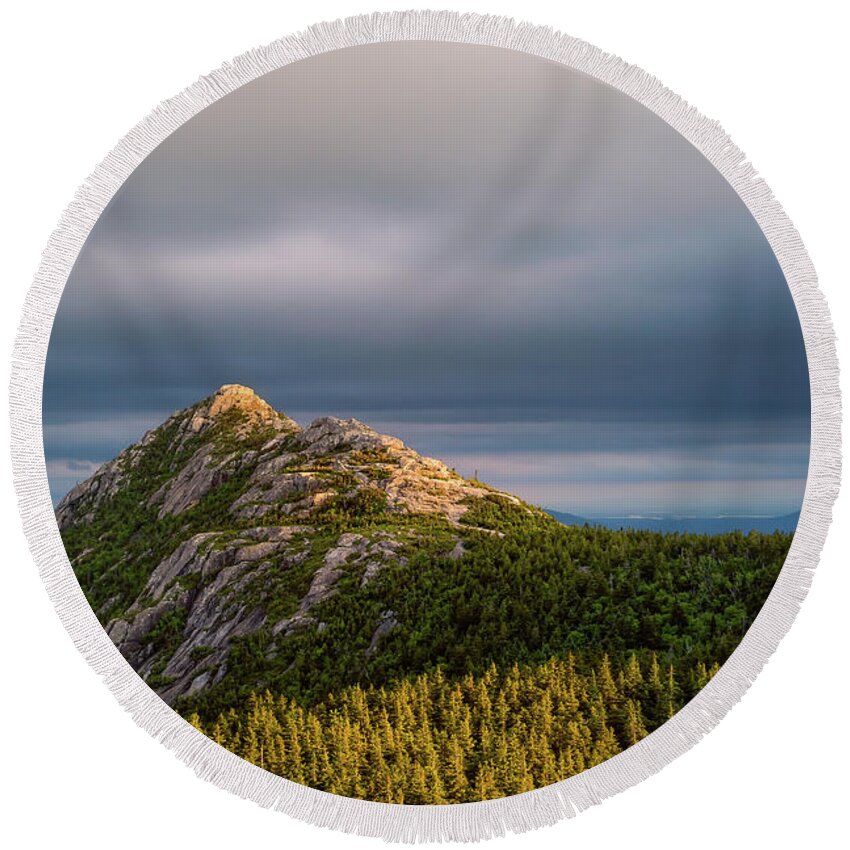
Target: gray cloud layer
{"type": "Point", "coordinates": [438, 235]}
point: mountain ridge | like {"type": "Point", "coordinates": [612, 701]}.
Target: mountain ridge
{"type": "Point", "coordinates": [686, 525]}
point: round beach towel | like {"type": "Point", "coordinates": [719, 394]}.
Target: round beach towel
{"type": "Point", "coordinates": [425, 425]}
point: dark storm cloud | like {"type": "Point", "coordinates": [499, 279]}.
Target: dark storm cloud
{"type": "Point", "coordinates": [430, 234]}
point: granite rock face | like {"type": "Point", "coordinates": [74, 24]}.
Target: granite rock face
{"type": "Point", "coordinates": [202, 580]}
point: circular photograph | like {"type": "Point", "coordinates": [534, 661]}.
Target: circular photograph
{"type": "Point", "coordinates": [426, 422]}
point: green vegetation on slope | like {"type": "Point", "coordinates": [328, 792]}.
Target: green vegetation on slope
{"type": "Point", "coordinates": [540, 590]}
{"type": "Point", "coordinates": [526, 588]}
{"type": "Point", "coordinates": [478, 659]}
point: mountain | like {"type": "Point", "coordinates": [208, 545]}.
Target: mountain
{"type": "Point", "coordinates": [239, 500]}
{"type": "Point", "coordinates": [231, 551]}
{"type": "Point", "coordinates": [569, 519]}
{"type": "Point", "coordinates": [688, 525]}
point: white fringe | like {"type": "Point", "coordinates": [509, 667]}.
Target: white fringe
{"type": "Point", "coordinates": [469, 821]}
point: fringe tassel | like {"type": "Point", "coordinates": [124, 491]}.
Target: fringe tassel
{"type": "Point", "coordinates": [469, 821]}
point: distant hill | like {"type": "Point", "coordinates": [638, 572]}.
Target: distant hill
{"type": "Point", "coordinates": [692, 525]}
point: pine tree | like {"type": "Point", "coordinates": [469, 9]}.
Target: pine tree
{"type": "Point", "coordinates": [605, 747]}
{"type": "Point", "coordinates": [456, 779]}
{"type": "Point", "coordinates": [632, 677]}
{"type": "Point", "coordinates": [655, 701]}
{"type": "Point", "coordinates": [672, 693]}
{"type": "Point", "coordinates": [485, 783]}
{"type": "Point", "coordinates": [606, 683]}
{"type": "Point", "coordinates": [634, 727]}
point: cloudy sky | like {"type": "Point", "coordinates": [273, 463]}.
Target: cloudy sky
{"type": "Point", "coordinates": [505, 263]}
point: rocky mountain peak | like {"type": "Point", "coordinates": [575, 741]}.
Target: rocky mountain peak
{"type": "Point", "coordinates": [235, 397]}
{"type": "Point", "coordinates": [274, 521]}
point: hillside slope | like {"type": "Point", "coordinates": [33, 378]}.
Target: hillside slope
{"type": "Point", "coordinates": [230, 551]}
